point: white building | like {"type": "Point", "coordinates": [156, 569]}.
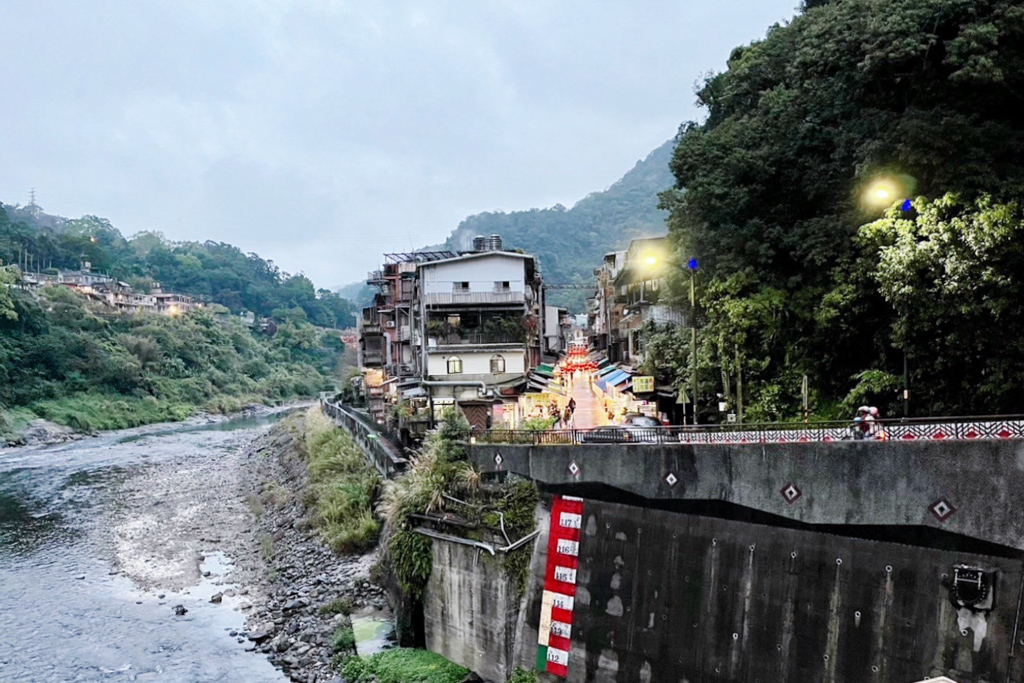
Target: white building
{"type": "Point", "coordinates": [478, 316]}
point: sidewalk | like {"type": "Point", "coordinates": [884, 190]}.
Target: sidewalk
{"type": "Point", "coordinates": [589, 411]}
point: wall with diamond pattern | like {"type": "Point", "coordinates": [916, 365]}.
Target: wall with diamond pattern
{"type": "Point", "coordinates": [972, 488]}
{"type": "Point", "coordinates": [664, 596]}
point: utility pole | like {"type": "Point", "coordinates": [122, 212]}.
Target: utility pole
{"type": "Point", "coordinates": [906, 387]}
{"type": "Point", "coordinates": [739, 388]}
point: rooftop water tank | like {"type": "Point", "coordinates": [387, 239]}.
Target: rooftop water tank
{"type": "Point", "coordinates": [479, 243]}
{"type": "Point", "coordinates": [494, 243]}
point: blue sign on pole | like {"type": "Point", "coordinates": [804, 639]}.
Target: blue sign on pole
{"type": "Point", "coordinates": [692, 264]}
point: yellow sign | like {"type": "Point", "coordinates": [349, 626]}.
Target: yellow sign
{"type": "Point", "coordinates": [643, 384]}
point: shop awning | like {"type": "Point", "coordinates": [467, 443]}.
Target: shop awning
{"type": "Point", "coordinates": [605, 371]}
{"type": "Point", "coordinates": [546, 370]}
{"type": "Point", "coordinates": [536, 385]}
{"type": "Point", "coordinates": [618, 377]}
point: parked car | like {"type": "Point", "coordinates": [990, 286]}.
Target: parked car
{"type": "Point", "coordinates": [640, 420]}
{"type": "Point", "coordinates": [607, 434]}
{"type": "Point", "coordinates": [626, 433]}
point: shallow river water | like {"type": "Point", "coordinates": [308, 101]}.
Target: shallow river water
{"type": "Point", "coordinates": [66, 611]}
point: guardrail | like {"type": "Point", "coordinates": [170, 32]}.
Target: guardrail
{"type": "Point", "coordinates": [384, 455]}
{"type": "Point", "coordinates": [917, 429]}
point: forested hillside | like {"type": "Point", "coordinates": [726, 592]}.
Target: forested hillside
{"type": "Point", "coordinates": [812, 259]}
{"type": "Point", "coordinates": [78, 363]}
{"type": "Point", "coordinates": [571, 242]}
{"type": "Point", "coordinates": [211, 271]}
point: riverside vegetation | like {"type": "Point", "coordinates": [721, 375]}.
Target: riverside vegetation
{"type": "Point", "coordinates": [69, 361]}
{"type": "Point", "coordinates": [77, 364]}
{"type": "Point", "coordinates": [316, 491]}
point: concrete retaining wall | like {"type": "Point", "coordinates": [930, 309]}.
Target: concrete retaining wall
{"type": "Point", "coordinates": [670, 597]}
{"type": "Point", "coordinates": [470, 610]}
{"type": "Point", "coordinates": [855, 483]}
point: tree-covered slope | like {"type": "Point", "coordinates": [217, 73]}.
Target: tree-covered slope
{"type": "Point", "coordinates": [212, 271]}
{"type": "Point", "coordinates": [831, 121]}
{"type": "Point", "coordinates": [571, 242]}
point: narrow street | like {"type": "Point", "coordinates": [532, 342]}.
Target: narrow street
{"type": "Point", "coordinates": [589, 411]}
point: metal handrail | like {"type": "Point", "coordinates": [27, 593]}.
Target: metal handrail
{"type": "Point", "coordinates": [383, 454]}
{"type": "Point", "coordinates": [967, 428]}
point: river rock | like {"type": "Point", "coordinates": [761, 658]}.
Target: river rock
{"type": "Point", "coordinates": [180, 610]}
{"type": "Point", "coordinates": [216, 597]}
{"type": "Point", "coordinates": [261, 632]}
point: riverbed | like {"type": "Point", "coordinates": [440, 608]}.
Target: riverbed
{"type": "Point", "coordinates": [100, 540]}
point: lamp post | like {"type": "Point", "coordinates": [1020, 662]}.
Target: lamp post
{"type": "Point", "coordinates": [692, 266]}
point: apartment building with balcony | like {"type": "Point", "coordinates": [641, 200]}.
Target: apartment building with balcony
{"type": "Point", "coordinates": [453, 329]}
{"type": "Point", "coordinates": [604, 311]}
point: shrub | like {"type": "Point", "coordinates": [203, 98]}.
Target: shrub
{"type": "Point", "coordinates": [403, 666]}
{"type": "Point", "coordinates": [337, 606]}
{"type": "Point", "coordinates": [521, 675]}
{"type": "Point", "coordinates": [343, 486]}
{"type": "Point", "coordinates": [344, 638]}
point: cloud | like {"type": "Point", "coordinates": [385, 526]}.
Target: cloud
{"type": "Point", "coordinates": [321, 134]}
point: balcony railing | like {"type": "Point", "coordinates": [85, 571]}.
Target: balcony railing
{"type": "Point", "coordinates": [462, 298]}
{"type": "Point", "coordinates": [476, 338]}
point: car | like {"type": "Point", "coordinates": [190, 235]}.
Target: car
{"type": "Point", "coordinates": [640, 420]}
{"type": "Point", "coordinates": [607, 434]}
{"type": "Point", "coordinates": [626, 433]}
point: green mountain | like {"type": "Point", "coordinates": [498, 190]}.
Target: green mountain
{"type": "Point", "coordinates": [571, 242]}
{"type": "Point", "coordinates": [73, 361]}
{"type": "Point", "coordinates": [210, 271]}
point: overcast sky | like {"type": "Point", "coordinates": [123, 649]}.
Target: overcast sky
{"type": "Point", "coordinates": [322, 133]}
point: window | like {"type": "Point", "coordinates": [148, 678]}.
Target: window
{"type": "Point", "coordinates": [497, 365]}
{"type": "Point", "coordinates": [454, 365]}
{"type": "Point", "coordinates": [460, 287]}
{"type": "Point", "coordinates": [502, 286]}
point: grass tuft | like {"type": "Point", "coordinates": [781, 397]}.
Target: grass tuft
{"type": "Point", "coordinates": [402, 666]}
{"type": "Point", "coordinates": [343, 486]}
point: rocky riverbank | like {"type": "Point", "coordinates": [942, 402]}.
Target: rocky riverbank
{"type": "Point", "coordinates": [308, 590]}
{"type": "Point", "coordinates": [247, 503]}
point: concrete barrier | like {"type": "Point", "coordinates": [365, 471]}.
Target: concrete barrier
{"type": "Point", "coordinates": [973, 489]}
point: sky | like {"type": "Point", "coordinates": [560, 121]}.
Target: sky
{"type": "Point", "coordinates": [322, 133]}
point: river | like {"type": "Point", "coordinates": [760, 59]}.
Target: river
{"type": "Point", "coordinates": [89, 578]}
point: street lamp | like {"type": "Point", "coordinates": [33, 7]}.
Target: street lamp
{"type": "Point", "coordinates": [692, 267]}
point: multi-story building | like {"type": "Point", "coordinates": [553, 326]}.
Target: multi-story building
{"type": "Point", "coordinates": [604, 312]}
{"type": "Point", "coordinates": [630, 288]}
{"type": "Point", "coordinates": [171, 304]}
{"type": "Point", "coordinates": [557, 331]}
{"type": "Point", "coordinates": [454, 329]}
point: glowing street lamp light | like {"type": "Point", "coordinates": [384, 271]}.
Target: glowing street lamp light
{"type": "Point", "coordinates": [650, 260]}
{"type": "Point", "coordinates": [881, 193]}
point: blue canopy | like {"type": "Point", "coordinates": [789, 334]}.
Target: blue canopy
{"type": "Point", "coordinates": [617, 377]}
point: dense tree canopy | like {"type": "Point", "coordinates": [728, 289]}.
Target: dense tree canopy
{"type": "Point", "coordinates": [212, 271]}
{"type": "Point", "coordinates": [810, 134]}
{"type": "Point", "coordinates": [70, 360]}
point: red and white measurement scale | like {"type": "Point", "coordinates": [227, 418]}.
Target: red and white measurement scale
{"type": "Point", "coordinates": [555, 630]}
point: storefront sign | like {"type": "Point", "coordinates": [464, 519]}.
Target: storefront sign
{"type": "Point", "coordinates": [643, 384]}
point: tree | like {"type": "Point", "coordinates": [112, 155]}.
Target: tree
{"type": "Point", "coordinates": [8, 276]}
{"type": "Point", "coordinates": [770, 188]}
{"type": "Point", "coordinates": [951, 269]}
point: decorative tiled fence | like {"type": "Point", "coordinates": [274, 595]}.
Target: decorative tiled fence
{"type": "Point", "coordinates": [924, 429]}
